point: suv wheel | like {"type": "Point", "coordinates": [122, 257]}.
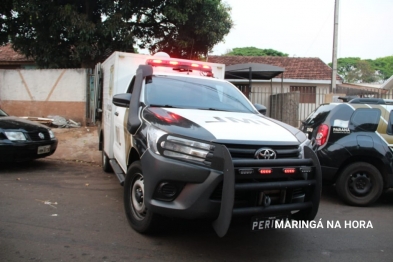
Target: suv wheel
{"type": "Point", "coordinates": [139, 217]}
{"type": "Point", "coordinates": [360, 184]}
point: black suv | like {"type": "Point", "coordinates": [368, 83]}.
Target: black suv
{"type": "Point", "coordinates": [353, 143]}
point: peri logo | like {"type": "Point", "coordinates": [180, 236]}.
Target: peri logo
{"type": "Point", "coordinates": [41, 135]}
{"type": "Point", "coordinates": [265, 153]}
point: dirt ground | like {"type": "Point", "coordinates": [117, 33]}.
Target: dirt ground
{"type": "Point", "coordinates": [77, 144]}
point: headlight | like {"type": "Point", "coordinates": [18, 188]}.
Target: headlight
{"type": "Point", "coordinates": [51, 134]}
{"type": "Point", "coordinates": [15, 136]}
{"type": "Point", "coordinates": [184, 149]}
{"type": "Point", "coordinates": [153, 135]}
{"type": "Point", "coordinates": [176, 147]}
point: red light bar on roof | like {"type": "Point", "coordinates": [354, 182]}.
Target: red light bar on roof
{"type": "Point", "coordinates": [180, 65]}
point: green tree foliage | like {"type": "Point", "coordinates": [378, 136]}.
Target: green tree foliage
{"type": "Point", "coordinates": [362, 72]}
{"type": "Point", "coordinates": [384, 66]}
{"type": "Point", "coordinates": [5, 12]}
{"type": "Point", "coordinates": [356, 70]}
{"type": "Point", "coordinates": [200, 25]}
{"type": "Point", "coordinates": [73, 33]}
{"type": "Point", "coordinates": [345, 66]}
{"type": "Point", "coordinates": [253, 51]}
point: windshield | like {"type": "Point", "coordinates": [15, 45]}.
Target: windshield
{"type": "Point", "coordinates": [2, 113]}
{"type": "Point", "coordinates": [195, 93]}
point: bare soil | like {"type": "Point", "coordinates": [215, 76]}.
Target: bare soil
{"type": "Point", "coordinates": [77, 144]}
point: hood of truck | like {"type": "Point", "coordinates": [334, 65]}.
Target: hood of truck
{"type": "Point", "coordinates": [221, 126]}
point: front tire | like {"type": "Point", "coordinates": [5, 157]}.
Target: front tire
{"type": "Point", "coordinates": [359, 184]}
{"type": "Point", "coordinates": [139, 217]}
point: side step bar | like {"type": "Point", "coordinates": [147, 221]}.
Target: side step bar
{"type": "Point", "coordinates": [118, 171]}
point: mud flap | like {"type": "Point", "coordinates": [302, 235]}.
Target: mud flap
{"type": "Point", "coordinates": [223, 158]}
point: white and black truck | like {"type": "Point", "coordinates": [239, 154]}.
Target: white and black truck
{"type": "Point", "coordinates": [186, 143]}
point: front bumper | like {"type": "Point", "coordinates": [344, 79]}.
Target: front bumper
{"type": "Point", "coordinates": [198, 187]}
{"type": "Point", "coordinates": [24, 151]}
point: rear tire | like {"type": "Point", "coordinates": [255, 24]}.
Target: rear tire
{"type": "Point", "coordinates": [359, 184]}
{"type": "Point", "coordinates": [139, 217]}
{"type": "Point", "coordinates": [106, 166]}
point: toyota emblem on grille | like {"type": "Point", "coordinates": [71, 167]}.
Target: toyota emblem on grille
{"type": "Point", "coordinates": [41, 135]}
{"type": "Point", "coordinates": [265, 153]}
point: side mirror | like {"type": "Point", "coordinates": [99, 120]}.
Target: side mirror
{"type": "Point", "coordinates": [122, 100]}
{"type": "Point", "coordinates": [261, 108]}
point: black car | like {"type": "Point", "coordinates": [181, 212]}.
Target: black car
{"type": "Point", "coordinates": [24, 140]}
{"type": "Point", "coordinates": [353, 142]}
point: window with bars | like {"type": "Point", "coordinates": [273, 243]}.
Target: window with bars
{"type": "Point", "coordinates": [307, 93]}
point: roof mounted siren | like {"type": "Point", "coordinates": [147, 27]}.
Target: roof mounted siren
{"type": "Point", "coordinates": [161, 54]}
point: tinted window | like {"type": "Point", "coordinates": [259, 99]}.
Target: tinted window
{"type": "Point", "coordinates": [319, 115]}
{"type": "Point", "coordinates": [198, 93]}
{"type": "Point", "coordinates": [365, 119]}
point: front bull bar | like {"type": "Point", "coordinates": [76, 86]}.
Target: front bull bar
{"type": "Point", "coordinates": [222, 160]}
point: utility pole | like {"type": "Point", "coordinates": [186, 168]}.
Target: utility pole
{"type": "Point", "coordinates": [335, 36]}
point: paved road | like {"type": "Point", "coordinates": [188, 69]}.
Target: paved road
{"type": "Point", "coordinates": [66, 211]}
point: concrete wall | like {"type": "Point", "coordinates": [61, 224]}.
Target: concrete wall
{"type": "Point", "coordinates": [43, 93]}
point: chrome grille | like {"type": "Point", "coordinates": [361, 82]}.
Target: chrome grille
{"type": "Point", "coordinates": [35, 137]}
{"type": "Point", "coordinates": [248, 151]}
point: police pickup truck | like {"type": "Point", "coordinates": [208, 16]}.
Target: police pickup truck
{"type": "Point", "coordinates": [188, 145]}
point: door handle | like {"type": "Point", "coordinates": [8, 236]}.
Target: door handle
{"type": "Point", "coordinates": [116, 113]}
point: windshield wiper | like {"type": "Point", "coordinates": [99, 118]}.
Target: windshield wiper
{"type": "Point", "coordinates": [156, 105]}
{"type": "Point", "coordinates": [213, 109]}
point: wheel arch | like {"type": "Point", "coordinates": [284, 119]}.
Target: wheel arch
{"type": "Point", "coordinates": [377, 162]}
{"type": "Point", "coordinates": [133, 156]}
{"type": "Point", "coordinates": [101, 140]}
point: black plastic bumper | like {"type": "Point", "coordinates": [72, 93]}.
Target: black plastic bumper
{"type": "Point", "coordinates": [195, 199]}
{"type": "Point", "coordinates": [25, 151]}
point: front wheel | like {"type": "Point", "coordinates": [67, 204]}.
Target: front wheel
{"type": "Point", "coordinates": [139, 217]}
{"type": "Point", "coordinates": [359, 184]}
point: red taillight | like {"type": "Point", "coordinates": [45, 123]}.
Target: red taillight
{"type": "Point", "coordinates": [265, 171]}
{"type": "Point", "coordinates": [322, 134]}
